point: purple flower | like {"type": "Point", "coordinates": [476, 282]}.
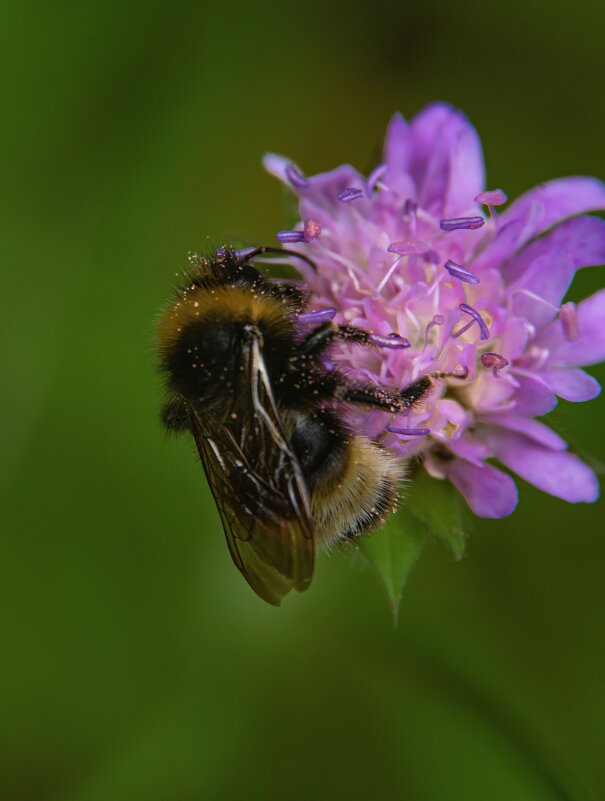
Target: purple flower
{"type": "Point", "coordinates": [480, 295]}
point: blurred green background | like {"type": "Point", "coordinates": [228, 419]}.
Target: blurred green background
{"type": "Point", "coordinates": [135, 663]}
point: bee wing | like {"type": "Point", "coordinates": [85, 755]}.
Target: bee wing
{"type": "Point", "coordinates": [258, 485]}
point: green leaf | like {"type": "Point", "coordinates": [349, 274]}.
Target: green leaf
{"type": "Point", "coordinates": [393, 551]}
{"type": "Point", "coordinates": [438, 505]}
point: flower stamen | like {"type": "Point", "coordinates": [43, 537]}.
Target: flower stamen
{"type": "Point", "coordinates": [290, 237]}
{"type": "Point", "coordinates": [352, 269]}
{"type": "Point", "coordinates": [494, 362]}
{"type": "Point", "coordinates": [349, 194]}
{"type": "Point", "coordinates": [296, 178]}
{"type": "Point", "coordinates": [457, 223]}
{"type": "Point", "coordinates": [437, 320]}
{"type": "Point", "coordinates": [312, 229]}
{"type": "Point", "coordinates": [569, 321]}
{"type": "Point", "coordinates": [391, 342]}
{"type": "Point", "coordinates": [409, 432]}
{"type": "Point", "coordinates": [460, 272]}
{"type": "Point", "coordinates": [538, 298]}
{"type": "Point", "coordinates": [409, 247]}
{"type": "Point", "coordinates": [491, 198]}
{"type": "Point", "coordinates": [387, 276]}
{"type": "Point", "coordinates": [310, 318]}
{"type": "Point", "coordinates": [476, 318]}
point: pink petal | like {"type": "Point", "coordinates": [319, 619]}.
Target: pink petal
{"type": "Point", "coordinates": [397, 149]}
{"type": "Point", "coordinates": [321, 190]}
{"type": "Point", "coordinates": [571, 383]}
{"type": "Point", "coordinates": [447, 163]}
{"type": "Point", "coordinates": [488, 392]}
{"type": "Point", "coordinates": [533, 429]}
{"type": "Point", "coordinates": [582, 238]}
{"type": "Point", "coordinates": [589, 347]}
{"type": "Point", "coordinates": [276, 165]}
{"type": "Point", "coordinates": [470, 450]}
{"type": "Point", "coordinates": [397, 157]}
{"type": "Point", "coordinates": [513, 338]}
{"type": "Point", "coordinates": [548, 277]}
{"type": "Point", "coordinates": [540, 209]}
{"type": "Point", "coordinates": [325, 187]}
{"type": "Point", "coordinates": [533, 397]}
{"type": "Point", "coordinates": [503, 244]}
{"type": "Point", "coordinates": [547, 266]}
{"type": "Point", "coordinates": [488, 491]}
{"type": "Point", "coordinates": [558, 473]}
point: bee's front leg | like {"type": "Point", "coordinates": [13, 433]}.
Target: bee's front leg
{"type": "Point", "coordinates": [320, 338]}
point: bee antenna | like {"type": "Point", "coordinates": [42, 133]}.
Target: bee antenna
{"type": "Point", "coordinates": [281, 251]}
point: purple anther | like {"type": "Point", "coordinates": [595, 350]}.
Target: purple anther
{"type": "Point", "coordinates": [374, 177]}
{"type": "Point", "coordinates": [431, 257]}
{"type": "Point", "coordinates": [477, 318]}
{"type": "Point", "coordinates": [349, 194]}
{"type": "Point", "coordinates": [493, 361]}
{"type": "Point", "coordinates": [410, 247]}
{"type": "Point", "coordinates": [409, 432]}
{"type": "Point", "coordinates": [319, 316]}
{"type": "Point", "coordinates": [569, 320]}
{"type": "Point", "coordinates": [296, 178]}
{"type": "Point", "coordinates": [460, 272]}
{"type": "Point", "coordinates": [290, 237]}
{"type": "Point", "coordinates": [438, 319]}
{"type": "Point", "coordinates": [392, 341]}
{"type": "Point", "coordinates": [492, 197]}
{"type": "Point", "coordinates": [456, 223]}
{"type": "Point", "coordinates": [311, 230]}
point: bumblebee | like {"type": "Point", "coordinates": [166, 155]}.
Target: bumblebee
{"type": "Point", "coordinates": [254, 389]}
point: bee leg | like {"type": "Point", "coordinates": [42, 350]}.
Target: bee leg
{"type": "Point", "coordinates": [416, 391]}
{"type": "Point", "coordinates": [321, 337]}
{"type": "Point", "coordinates": [387, 400]}
{"type": "Point", "coordinates": [175, 417]}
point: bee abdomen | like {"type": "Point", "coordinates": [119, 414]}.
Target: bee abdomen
{"type": "Point", "coordinates": [362, 496]}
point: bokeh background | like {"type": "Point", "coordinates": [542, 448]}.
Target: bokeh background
{"type": "Point", "coordinates": [135, 663]}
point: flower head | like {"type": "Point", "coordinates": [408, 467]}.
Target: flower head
{"type": "Point", "coordinates": [419, 250]}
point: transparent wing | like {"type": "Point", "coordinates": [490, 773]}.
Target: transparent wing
{"type": "Point", "coordinates": [258, 485]}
